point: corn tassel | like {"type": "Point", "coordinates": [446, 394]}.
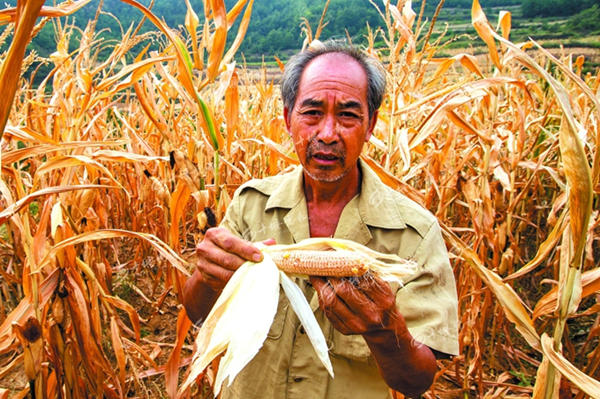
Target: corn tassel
{"type": "Point", "coordinates": [240, 319]}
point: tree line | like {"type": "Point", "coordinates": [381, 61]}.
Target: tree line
{"type": "Point", "coordinates": [555, 8]}
{"type": "Point", "coordinates": [275, 27]}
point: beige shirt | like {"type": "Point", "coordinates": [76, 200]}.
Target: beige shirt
{"type": "Point", "coordinates": [380, 218]}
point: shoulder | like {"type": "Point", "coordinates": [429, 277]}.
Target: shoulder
{"type": "Point", "coordinates": [265, 186]}
{"type": "Point", "coordinates": [387, 208]}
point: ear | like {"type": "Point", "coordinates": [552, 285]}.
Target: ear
{"type": "Point", "coordinates": [286, 118]}
{"type": "Point", "coordinates": [372, 123]}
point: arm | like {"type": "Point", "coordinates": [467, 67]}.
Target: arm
{"type": "Point", "coordinates": [220, 253]}
{"type": "Point", "coordinates": [368, 308]}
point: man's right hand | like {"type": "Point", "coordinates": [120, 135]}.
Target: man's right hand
{"type": "Point", "coordinates": [220, 254]}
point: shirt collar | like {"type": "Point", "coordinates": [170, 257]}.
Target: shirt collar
{"type": "Point", "coordinates": [289, 192]}
{"type": "Point", "coordinates": [377, 203]}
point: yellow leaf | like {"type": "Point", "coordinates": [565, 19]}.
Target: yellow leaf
{"type": "Point", "coordinates": [177, 208]}
{"type": "Point", "coordinates": [232, 109]}
{"type": "Point", "coordinates": [590, 284]}
{"type": "Point", "coordinates": [17, 206]}
{"type": "Point", "coordinates": [579, 178]}
{"type": "Point", "coordinates": [219, 38]}
{"type": "Point", "coordinates": [235, 12]}
{"type": "Point", "coordinates": [172, 367]}
{"type": "Point", "coordinates": [584, 382]}
{"type": "Point", "coordinates": [118, 349]}
{"type": "Point", "coordinates": [240, 35]}
{"type": "Point", "coordinates": [508, 298]}
{"type": "Point", "coordinates": [485, 31]}
{"type": "Point", "coordinates": [11, 66]}
{"type": "Point", "coordinates": [191, 23]}
{"type": "Point", "coordinates": [170, 255]}
{"type": "Point", "coordinates": [504, 23]}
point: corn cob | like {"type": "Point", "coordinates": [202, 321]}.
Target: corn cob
{"type": "Point", "coordinates": [341, 263]}
{"type": "Point", "coordinates": [256, 286]}
{"type": "Point", "coordinates": [333, 257]}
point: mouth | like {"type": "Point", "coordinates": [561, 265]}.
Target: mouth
{"type": "Point", "coordinates": [325, 156]}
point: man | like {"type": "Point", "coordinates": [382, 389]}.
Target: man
{"type": "Point", "coordinates": [379, 335]}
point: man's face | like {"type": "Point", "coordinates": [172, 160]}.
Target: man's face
{"type": "Point", "coordinates": [330, 120]}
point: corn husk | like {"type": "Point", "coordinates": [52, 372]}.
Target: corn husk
{"type": "Point", "coordinates": [239, 321]}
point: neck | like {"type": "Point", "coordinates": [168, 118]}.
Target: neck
{"type": "Point", "coordinates": [339, 192]}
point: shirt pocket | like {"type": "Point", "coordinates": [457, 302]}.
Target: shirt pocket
{"type": "Point", "coordinates": [279, 320]}
{"type": "Point", "coordinates": [352, 347]}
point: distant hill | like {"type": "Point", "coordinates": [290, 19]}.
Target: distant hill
{"type": "Point", "coordinates": [274, 27]}
{"type": "Point", "coordinates": [275, 24]}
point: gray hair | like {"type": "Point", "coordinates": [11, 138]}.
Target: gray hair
{"type": "Point", "coordinates": [296, 65]}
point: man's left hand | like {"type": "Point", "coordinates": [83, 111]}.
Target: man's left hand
{"type": "Point", "coordinates": [356, 306]}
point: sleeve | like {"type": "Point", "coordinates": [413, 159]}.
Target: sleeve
{"type": "Point", "coordinates": [429, 301]}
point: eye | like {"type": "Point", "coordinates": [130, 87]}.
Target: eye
{"type": "Point", "coordinates": [349, 114]}
{"type": "Point", "coordinates": [311, 112]}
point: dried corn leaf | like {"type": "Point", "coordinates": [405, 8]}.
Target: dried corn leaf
{"type": "Point", "coordinates": [456, 98]}
{"type": "Point", "coordinates": [541, 378]}
{"type": "Point", "coordinates": [127, 76]}
{"type": "Point", "coordinates": [485, 31]}
{"type": "Point", "coordinates": [508, 298]}
{"type": "Point", "coordinates": [235, 12]}
{"type": "Point", "coordinates": [584, 382]}
{"type": "Point", "coordinates": [12, 209]}
{"type": "Point", "coordinates": [117, 344]}
{"type": "Point", "coordinates": [62, 10]}
{"type": "Point", "coordinates": [173, 364]}
{"type": "Point", "coordinates": [191, 23]}
{"type": "Point", "coordinates": [174, 259]}
{"type": "Point", "coordinates": [69, 161]}
{"type": "Point", "coordinates": [219, 38]}
{"type": "Point", "coordinates": [544, 250]}
{"type": "Point", "coordinates": [11, 65]}
{"type": "Point", "coordinates": [27, 134]}
{"type": "Point", "coordinates": [122, 156]}
{"type": "Point", "coordinates": [241, 33]}
{"type": "Point", "coordinates": [232, 109]}
{"type": "Point", "coordinates": [25, 309]}
{"type": "Point", "coordinates": [134, 317]}
{"type": "Point", "coordinates": [82, 324]}
{"type": "Point", "coordinates": [576, 167]}
{"type": "Point", "coordinates": [590, 284]}
{"type": "Point", "coordinates": [579, 177]}
{"type": "Point", "coordinates": [185, 70]}
{"type": "Point", "coordinates": [177, 209]}
{"type": "Point", "coordinates": [504, 23]}
{"type": "Point", "coordinates": [44, 149]}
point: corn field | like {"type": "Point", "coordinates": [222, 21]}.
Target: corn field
{"type": "Point", "coordinates": [113, 167]}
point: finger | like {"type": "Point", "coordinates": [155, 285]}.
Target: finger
{"type": "Point", "coordinates": [377, 291]}
{"type": "Point", "coordinates": [214, 275]}
{"type": "Point", "coordinates": [224, 239]}
{"type": "Point", "coordinates": [335, 308]}
{"type": "Point", "coordinates": [367, 313]}
{"type": "Point", "coordinates": [347, 290]}
{"type": "Point", "coordinates": [325, 291]}
{"type": "Point", "coordinates": [210, 253]}
{"type": "Point", "coordinates": [270, 241]}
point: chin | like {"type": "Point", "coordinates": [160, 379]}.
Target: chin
{"type": "Point", "coordinates": [325, 176]}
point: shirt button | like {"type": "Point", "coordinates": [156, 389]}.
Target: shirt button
{"type": "Point", "coordinates": [298, 379]}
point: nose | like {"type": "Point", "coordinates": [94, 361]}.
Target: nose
{"type": "Point", "coordinates": [328, 131]}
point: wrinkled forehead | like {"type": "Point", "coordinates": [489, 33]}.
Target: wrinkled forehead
{"type": "Point", "coordinates": [334, 68]}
